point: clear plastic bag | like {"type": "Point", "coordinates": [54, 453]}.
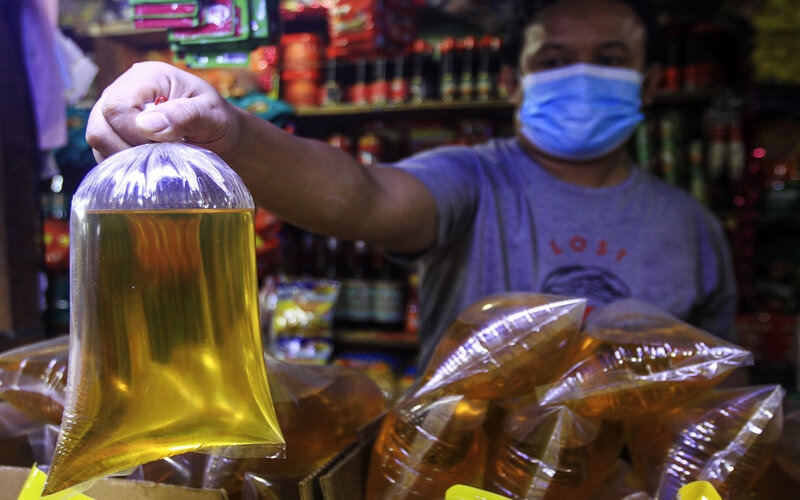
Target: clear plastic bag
{"type": "Point", "coordinates": [727, 437]}
{"type": "Point", "coordinates": [320, 409]}
{"type": "Point", "coordinates": [166, 354]}
{"type": "Point", "coordinates": [637, 359]}
{"type": "Point", "coordinates": [33, 378]}
{"type": "Point", "coordinates": [503, 346]}
{"type": "Point", "coordinates": [424, 447]}
{"type": "Point", "coordinates": [551, 452]}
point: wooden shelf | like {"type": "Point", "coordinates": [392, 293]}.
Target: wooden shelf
{"type": "Point", "coordinates": [396, 109]}
{"type": "Point", "coordinates": [377, 339]}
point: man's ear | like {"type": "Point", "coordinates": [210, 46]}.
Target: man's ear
{"type": "Point", "coordinates": [508, 84]}
{"type": "Point", "coordinates": [652, 82]}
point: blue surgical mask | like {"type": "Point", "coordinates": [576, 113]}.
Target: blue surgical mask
{"type": "Point", "coordinates": [580, 111]}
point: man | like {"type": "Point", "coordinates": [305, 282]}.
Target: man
{"type": "Point", "coordinates": [560, 208]}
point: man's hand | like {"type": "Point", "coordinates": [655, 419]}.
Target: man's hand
{"type": "Point", "coordinates": [194, 112]}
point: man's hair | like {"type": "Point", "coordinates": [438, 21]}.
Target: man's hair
{"type": "Point", "coordinates": [527, 11]}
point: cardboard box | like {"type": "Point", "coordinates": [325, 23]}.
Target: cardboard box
{"type": "Point", "coordinates": [13, 478]}
{"type": "Point", "coordinates": [345, 476]}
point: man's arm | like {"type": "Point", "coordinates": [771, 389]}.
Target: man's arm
{"type": "Point", "coordinates": [303, 181]}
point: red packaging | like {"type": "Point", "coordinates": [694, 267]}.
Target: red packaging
{"type": "Point", "coordinates": [302, 51]}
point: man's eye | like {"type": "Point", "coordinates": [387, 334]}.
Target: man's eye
{"type": "Point", "coordinates": [612, 60]}
{"type": "Point", "coordinates": [550, 63]}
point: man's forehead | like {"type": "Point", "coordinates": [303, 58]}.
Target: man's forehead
{"type": "Point", "coordinates": [554, 23]}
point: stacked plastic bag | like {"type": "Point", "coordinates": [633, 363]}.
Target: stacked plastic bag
{"type": "Point", "coordinates": [626, 405]}
{"type": "Point", "coordinates": [524, 399]}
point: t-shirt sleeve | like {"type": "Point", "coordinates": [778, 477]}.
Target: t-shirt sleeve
{"type": "Point", "coordinates": [452, 174]}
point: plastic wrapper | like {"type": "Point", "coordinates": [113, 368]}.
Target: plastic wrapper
{"type": "Point", "coordinates": [320, 409]}
{"type": "Point", "coordinates": [503, 346]}
{"type": "Point", "coordinates": [181, 470]}
{"type": "Point", "coordinates": [15, 422]}
{"type": "Point", "coordinates": [551, 452]}
{"type": "Point", "coordinates": [265, 487]}
{"type": "Point", "coordinates": [166, 355]}
{"type": "Point", "coordinates": [424, 447]}
{"type": "Point", "coordinates": [33, 378]}
{"type": "Point", "coordinates": [724, 436]}
{"type": "Point", "coordinates": [636, 359]}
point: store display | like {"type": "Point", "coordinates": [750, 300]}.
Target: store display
{"type": "Point", "coordinates": [163, 274]}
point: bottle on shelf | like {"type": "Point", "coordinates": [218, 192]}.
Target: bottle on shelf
{"type": "Point", "coordinates": [447, 69]}
{"type": "Point", "coordinates": [488, 66]}
{"type": "Point", "coordinates": [466, 69]}
{"type": "Point", "coordinates": [332, 89]}
{"type": "Point", "coordinates": [388, 293]}
{"type": "Point", "coordinates": [355, 312]}
{"type": "Point", "coordinates": [55, 228]}
{"type": "Point", "coordinates": [379, 86]}
{"type": "Point", "coordinates": [359, 91]}
{"type": "Point", "coordinates": [716, 158]}
{"type": "Point", "coordinates": [398, 85]}
{"type": "Point", "coordinates": [424, 83]}
{"type": "Point", "coordinates": [412, 304]}
{"type": "Point", "coordinates": [697, 177]}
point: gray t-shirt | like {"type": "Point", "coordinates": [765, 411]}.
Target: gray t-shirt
{"type": "Point", "coordinates": [506, 224]}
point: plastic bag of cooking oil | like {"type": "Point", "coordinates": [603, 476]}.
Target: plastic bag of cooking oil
{"type": "Point", "coordinates": [637, 359]}
{"type": "Point", "coordinates": [424, 446]}
{"type": "Point", "coordinates": [503, 346]}
{"type": "Point", "coordinates": [551, 452]}
{"type": "Point", "coordinates": [166, 355]}
{"type": "Point", "coordinates": [320, 409]}
{"type": "Point", "coordinates": [33, 378]}
{"type": "Point", "coordinates": [726, 437]}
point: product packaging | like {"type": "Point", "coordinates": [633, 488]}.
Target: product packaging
{"type": "Point", "coordinates": [165, 351]}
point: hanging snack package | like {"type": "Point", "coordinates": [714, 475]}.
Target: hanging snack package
{"type": "Point", "coordinates": [503, 346]}
{"type": "Point", "coordinates": [166, 355]}
{"type": "Point", "coordinates": [726, 437]}
{"type": "Point", "coordinates": [33, 378]}
{"type": "Point", "coordinates": [636, 359]}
